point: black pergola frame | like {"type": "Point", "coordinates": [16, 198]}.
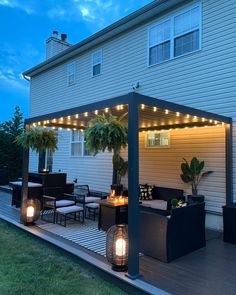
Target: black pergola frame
{"type": "Point", "coordinates": [133, 100]}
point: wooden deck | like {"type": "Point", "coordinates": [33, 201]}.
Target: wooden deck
{"type": "Point", "coordinates": [210, 270]}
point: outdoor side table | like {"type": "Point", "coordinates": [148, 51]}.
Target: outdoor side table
{"type": "Point", "coordinates": [111, 213]}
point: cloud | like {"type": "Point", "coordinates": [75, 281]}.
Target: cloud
{"type": "Point", "coordinates": [13, 62]}
{"type": "Point", "coordinates": [98, 12]}
{"type": "Point", "coordinates": [9, 78]}
{"type": "Point", "coordinates": [23, 5]}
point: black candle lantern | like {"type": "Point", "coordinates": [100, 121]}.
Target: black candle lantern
{"type": "Point", "coordinates": [30, 211]}
{"type": "Point", "coordinates": [117, 247]}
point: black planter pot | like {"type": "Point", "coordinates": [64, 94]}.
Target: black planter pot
{"type": "Point", "coordinates": [229, 219]}
{"type": "Point", "coordinates": [196, 199]}
{"type": "Point", "coordinates": [117, 188]}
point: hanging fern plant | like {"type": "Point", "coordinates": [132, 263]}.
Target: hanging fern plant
{"type": "Point", "coordinates": [108, 133]}
{"type": "Point", "coordinates": [38, 140]}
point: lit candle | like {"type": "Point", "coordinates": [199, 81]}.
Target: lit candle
{"type": "Point", "coordinates": [120, 247]}
{"type": "Point", "coordinates": [30, 211]}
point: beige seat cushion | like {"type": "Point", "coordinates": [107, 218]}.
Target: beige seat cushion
{"type": "Point", "coordinates": [91, 199]}
{"type": "Point", "coordinates": [69, 209]}
{"type": "Point", "coordinates": [155, 204]}
{"type": "Point", "coordinates": [92, 205]}
{"type": "Point", "coordinates": [61, 203]}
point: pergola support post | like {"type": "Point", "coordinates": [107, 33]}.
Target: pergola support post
{"type": "Point", "coordinates": [133, 183]}
{"type": "Point", "coordinates": [25, 175]}
{"type": "Point", "coordinates": [229, 163]}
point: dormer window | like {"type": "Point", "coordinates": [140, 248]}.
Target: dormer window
{"type": "Point", "coordinates": [178, 35]}
{"type": "Point", "coordinates": [71, 73]}
{"type": "Point", "coordinates": [97, 63]}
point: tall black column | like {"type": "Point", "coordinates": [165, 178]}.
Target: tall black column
{"type": "Point", "coordinates": [133, 183]}
{"type": "Point", "coordinates": [42, 161]}
{"type": "Point", "coordinates": [229, 163]}
{"type": "Point", "coordinates": [25, 175]}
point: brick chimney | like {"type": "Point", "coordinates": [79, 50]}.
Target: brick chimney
{"type": "Point", "coordinates": [54, 45]}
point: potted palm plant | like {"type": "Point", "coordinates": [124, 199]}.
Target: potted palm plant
{"type": "Point", "coordinates": [109, 133]}
{"type": "Point", "coordinates": [192, 173]}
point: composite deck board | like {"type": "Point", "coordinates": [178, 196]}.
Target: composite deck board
{"type": "Point", "coordinates": [208, 271]}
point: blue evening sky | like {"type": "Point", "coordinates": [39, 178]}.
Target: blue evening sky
{"type": "Point", "coordinates": [26, 24]}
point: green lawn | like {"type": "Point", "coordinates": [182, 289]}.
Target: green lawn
{"type": "Point", "coordinates": [30, 266]}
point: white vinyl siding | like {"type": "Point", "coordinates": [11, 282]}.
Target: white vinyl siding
{"type": "Point", "coordinates": [202, 80]}
{"type": "Point", "coordinates": [176, 36]}
{"type": "Point", "coordinates": [71, 73]}
{"type": "Point", "coordinates": [78, 144]}
{"type": "Point", "coordinates": [97, 63]}
{"type": "Point", "coordinates": [161, 167]}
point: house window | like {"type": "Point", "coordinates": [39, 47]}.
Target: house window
{"type": "Point", "coordinates": [176, 36]}
{"type": "Point", "coordinates": [159, 43]}
{"type": "Point", "coordinates": [97, 63]}
{"type": "Point", "coordinates": [78, 146]}
{"type": "Point", "coordinates": [157, 139]}
{"type": "Point", "coordinates": [71, 73]}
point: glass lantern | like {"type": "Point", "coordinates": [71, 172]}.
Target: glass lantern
{"type": "Point", "coordinates": [117, 247]}
{"type": "Point", "coordinates": [30, 211]}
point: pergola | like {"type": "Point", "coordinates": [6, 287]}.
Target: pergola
{"type": "Point", "coordinates": [143, 113]}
